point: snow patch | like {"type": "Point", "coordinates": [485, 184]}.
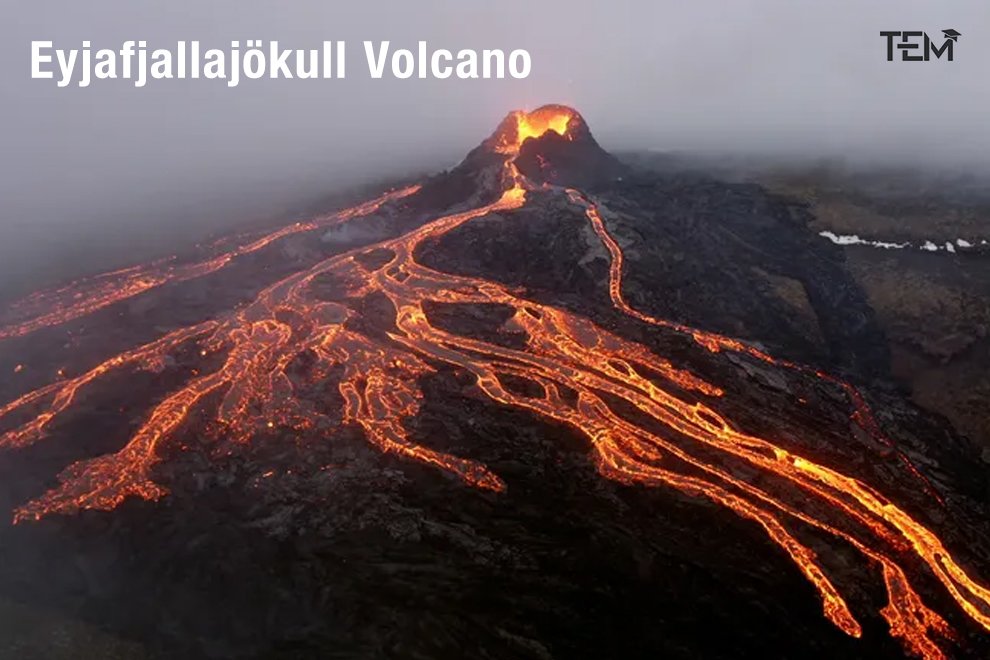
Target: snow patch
{"type": "Point", "coordinates": [927, 246]}
{"type": "Point", "coordinates": [853, 239]}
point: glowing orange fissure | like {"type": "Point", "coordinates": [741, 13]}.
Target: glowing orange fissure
{"type": "Point", "coordinates": [702, 455]}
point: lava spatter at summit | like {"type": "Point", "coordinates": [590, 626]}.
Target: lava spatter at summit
{"type": "Point", "coordinates": [258, 359]}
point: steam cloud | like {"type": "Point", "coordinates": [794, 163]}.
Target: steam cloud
{"type": "Point", "coordinates": [106, 172]}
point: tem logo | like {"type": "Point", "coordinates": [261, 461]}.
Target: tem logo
{"type": "Point", "coordinates": [916, 46]}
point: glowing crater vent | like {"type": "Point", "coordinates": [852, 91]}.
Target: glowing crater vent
{"type": "Point", "coordinates": [521, 126]}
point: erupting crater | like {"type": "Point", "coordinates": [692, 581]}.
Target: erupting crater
{"type": "Point", "coordinates": [520, 126]}
{"type": "Point", "coordinates": [260, 358]}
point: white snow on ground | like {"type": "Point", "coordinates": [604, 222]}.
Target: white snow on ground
{"type": "Point", "coordinates": [928, 246]}
{"type": "Point", "coordinates": [853, 239]}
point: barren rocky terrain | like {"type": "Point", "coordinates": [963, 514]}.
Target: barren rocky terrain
{"type": "Point", "coordinates": [791, 371]}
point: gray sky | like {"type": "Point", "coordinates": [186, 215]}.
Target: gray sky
{"type": "Point", "coordinates": [799, 76]}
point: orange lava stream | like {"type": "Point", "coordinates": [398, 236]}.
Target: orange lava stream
{"type": "Point", "coordinates": [582, 372]}
{"type": "Point", "coordinates": [57, 306]}
{"type": "Point", "coordinates": [862, 415]}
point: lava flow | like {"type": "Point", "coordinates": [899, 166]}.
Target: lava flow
{"type": "Point", "coordinates": [579, 368]}
{"type": "Point", "coordinates": [57, 306]}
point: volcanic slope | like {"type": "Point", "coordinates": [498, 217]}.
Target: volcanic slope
{"type": "Point", "coordinates": [553, 407]}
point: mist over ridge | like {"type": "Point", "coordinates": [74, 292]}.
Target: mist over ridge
{"type": "Point", "coordinates": [116, 166]}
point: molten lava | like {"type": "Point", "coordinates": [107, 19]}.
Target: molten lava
{"type": "Point", "coordinates": [55, 307]}
{"type": "Point", "coordinates": [688, 446]}
{"type": "Point", "coordinates": [523, 126]}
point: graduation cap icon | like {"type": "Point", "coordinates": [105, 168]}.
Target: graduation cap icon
{"type": "Point", "coordinates": [951, 34]}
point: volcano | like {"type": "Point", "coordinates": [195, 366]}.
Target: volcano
{"type": "Point", "coordinates": [552, 145]}
{"type": "Point", "coordinates": [542, 405]}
